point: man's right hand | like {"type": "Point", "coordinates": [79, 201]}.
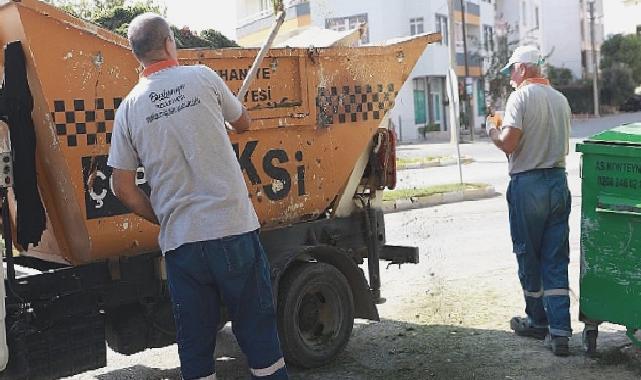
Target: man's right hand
{"type": "Point", "coordinates": [490, 124]}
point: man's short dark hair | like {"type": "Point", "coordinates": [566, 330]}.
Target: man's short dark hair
{"type": "Point", "coordinates": [147, 34]}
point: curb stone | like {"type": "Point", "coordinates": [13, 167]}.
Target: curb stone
{"type": "Point", "coordinates": [438, 199]}
{"type": "Point", "coordinates": [436, 163]}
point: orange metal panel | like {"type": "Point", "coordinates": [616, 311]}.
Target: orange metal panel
{"type": "Point", "coordinates": [314, 113]}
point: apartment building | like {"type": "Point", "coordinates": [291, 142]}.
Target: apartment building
{"type": "Point", "coordinates": [421, 105]}
{"type": "Point", "coordinates": [560, 28]}
{"type": "Point", "coordinates": [570, 19]}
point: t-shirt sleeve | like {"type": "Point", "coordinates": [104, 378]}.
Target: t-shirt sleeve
{"type": "Point", "coordinates": [230, 105]}
{"type": "Point", "coordinates": [122, 154]}
{"type": "Point", "coordinates": [514, 111]}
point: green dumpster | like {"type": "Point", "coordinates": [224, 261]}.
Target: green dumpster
{"type": "Point", "coordinates": [611, 231]}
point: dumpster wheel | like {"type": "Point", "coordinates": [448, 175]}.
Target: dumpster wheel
{"type": "Point", "coordinates": [590, 335]}
{"type": "Point", "coordinates": [315, 314]}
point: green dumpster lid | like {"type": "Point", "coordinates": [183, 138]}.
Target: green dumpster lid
{"type": "Point", "coordinates": [629, 134]}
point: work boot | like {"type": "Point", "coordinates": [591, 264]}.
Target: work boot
{"type": "Point", "coordinates": [522, 327]}
{"type": "Point", "coordinates": [558, 345]}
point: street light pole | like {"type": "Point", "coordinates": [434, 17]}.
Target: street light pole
{"type": "Point", "coordinates": [595, 65]}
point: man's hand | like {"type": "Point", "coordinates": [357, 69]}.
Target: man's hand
{"type": "Point", "coordinates": [489, 125]}
{"type": "Point", "coordinates": [125, 188]}
{"type": "Point", "coordinates": [242, 124]}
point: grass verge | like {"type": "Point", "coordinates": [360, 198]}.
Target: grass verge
{"type": "Point", "coordinates": [406, 161]}
{"type": "Point", "coordinates": [394, 195]}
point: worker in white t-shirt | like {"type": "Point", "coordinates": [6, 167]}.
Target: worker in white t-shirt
{"type": "Point", "coordinates": [535, 134]}
{"type": "Point", "coordinates": [173, 124]}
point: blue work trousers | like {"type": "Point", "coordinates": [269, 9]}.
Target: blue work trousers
{"type": "Point", "coordinates": [539, 204]}
{"type": "Point", "coordinates": [232, 271]}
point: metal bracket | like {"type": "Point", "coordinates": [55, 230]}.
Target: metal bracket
{"type": "Point", "coordinates": [397, 254]}
{"type": "Point", "coordinates": [312, 53]}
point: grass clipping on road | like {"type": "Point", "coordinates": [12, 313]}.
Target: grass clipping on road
{"type": "Point", "coordinates": [405, 161]}
{"type": "Point", "coordinates": [417, 160]}
{"type": "Point", "coordinates": [394, 195]}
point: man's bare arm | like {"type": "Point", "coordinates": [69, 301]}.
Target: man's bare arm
{"type": "Point", "coordinates": [125, 188]}
{"type": "Point", "coordinates": [243, 122]}
{"type": "Point", "coordinates": [506, 139]}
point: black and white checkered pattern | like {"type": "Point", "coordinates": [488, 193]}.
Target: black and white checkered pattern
{"type": "Point", "coordinates": [78, 124]}
{"type": "Point", "coordinates": [351, 104]}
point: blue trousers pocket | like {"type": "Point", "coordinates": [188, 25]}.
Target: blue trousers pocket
{"type": "Point", "coordinates": [239, 254]}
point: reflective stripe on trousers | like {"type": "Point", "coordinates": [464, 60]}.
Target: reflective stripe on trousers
{"type": "Point", "coordinates": [547, 293]}
{"type": "Point", "coordinates": [272, 369]}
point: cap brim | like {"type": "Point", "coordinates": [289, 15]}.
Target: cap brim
{"type": "Point", "coordinates": [506, 69]}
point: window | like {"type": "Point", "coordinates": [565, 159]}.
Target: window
{"type": "Point", "coordinates": [416, 26]}
{"type": "Point", "coordinates": [265, 5]}
{"type": "Point", "coordinates": [441, 27]}
{"type": "Point", "coordinates": [488, 38]}
{"type": "Point", "coordinates": [480, 98]}
{"type": "Point", "coordinates": [536, 16]}
{"type": "Point", "coordinates": [459, 34]}
{"type": "Point", "coordinates": [348, 23]}
{"type": "Point", "coordinates": [420, 110]}
{"type": "Point", "coordinates": [524, 10]}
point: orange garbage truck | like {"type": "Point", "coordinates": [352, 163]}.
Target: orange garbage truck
{"type": "Point", "coordinates": [81, 270]}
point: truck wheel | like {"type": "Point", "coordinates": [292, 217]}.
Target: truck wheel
{"type": "Point", "coordinates": [315, 314]}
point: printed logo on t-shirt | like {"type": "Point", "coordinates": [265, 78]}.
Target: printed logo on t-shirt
{"type": "Point", "coordinates": [170, 101]}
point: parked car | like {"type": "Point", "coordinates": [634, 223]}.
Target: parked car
{"type": "Point", "coordinates": [632, 104]}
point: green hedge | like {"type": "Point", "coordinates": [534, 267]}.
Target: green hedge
{"type": "Point", "coordinates": [580, 97]}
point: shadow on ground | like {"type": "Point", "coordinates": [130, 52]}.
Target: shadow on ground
{"type": "Point", "coordinates": [400, 350]}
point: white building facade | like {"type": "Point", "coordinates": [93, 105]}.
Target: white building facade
{"type": "Point", "coordinates": [560, 28]}
{"type": "Point", "coordinates": [421, 106]}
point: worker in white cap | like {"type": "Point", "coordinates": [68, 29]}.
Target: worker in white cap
{"type": "Point", "coordinates": [535, 135]}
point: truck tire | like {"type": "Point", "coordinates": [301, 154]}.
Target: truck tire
{"type": "Point", "coordinates": [315, 314]}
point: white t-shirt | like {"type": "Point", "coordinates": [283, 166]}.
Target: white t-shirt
{"type": "Point", "coordinates": [543, 115]}
{"type": "Point", "coordinates": [173, 123]}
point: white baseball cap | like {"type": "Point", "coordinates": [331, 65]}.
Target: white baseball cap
{"type": "Point", "coordinates": [523, 54]}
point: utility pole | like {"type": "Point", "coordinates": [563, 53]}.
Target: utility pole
{"type": "Point", "coordinates": [452, 89]}
{"type": "Point", "coordinates": [595, 65]}
{"type": "Point", "coordinates": [468, 113]}
{"type": "Point", "coordinates": [451, 31]}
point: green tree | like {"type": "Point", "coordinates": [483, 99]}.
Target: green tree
{"type": "Point", "coordinates": [209, 38]}
{"type": "Point", "coordinates": [616, 84]}
{"type": "Point", "coordinates": [559, 76]}
{"type": "Point", "coordinates": [624, 49]}
{"type": "Point", "coordinates": [500, 86]}
{"type": "Point", "coordinates": [216, 38]}
{"type": "Point", "coordinates": [116, 16]}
